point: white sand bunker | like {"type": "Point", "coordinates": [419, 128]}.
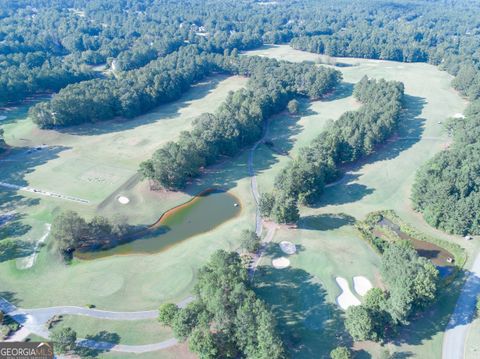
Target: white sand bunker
{"type": "Point", "coordinates": [123, 199]}
{"type": "Point", "coordinates": [361, 285]}
{"type": "Point", "coordinates": [346, 298]}
{"type": "Point", "coordinates": [458, 115]}
{"type": "Point", "coordinates": [280, 263]}
{"type": "Point", "coordinates": [28, 262]}
{"type": "Point", "coordinates": [288, 247]}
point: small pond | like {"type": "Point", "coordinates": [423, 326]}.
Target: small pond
{"type": "Point", "coordinates": [436, 254]}
{"type": "Point", "coordinates": [201, 214]}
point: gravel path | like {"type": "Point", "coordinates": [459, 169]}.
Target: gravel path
{"type": "Point", "coordinates": [461, 319]}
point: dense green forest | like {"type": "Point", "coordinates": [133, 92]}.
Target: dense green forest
{"type": "Point", "coordinates": [226, 319]}
{"type": "Point", "coordinates": [48, 44]}
{"type": "Point", "coordinates": [354, 135]}
{"type": "Point", "coordinates": [447, 189]}
{"type": "Point", "coordinates": [240, 119]}
{"type": "Point", "coordinates": [130, 94]}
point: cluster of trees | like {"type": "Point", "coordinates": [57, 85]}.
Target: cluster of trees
{"type": "Point", "coordinates": [467, 81]}
{"type": "Point", "coordinates": [132, 93]}
{"type": "Point", "coordinates": [354, 135]}
{"type": "Point", "coordinates": [375, 44]}
{"type": "Point", "coordinates": [447, 188]}
{"type": "Point", "coordinates": [411, 283]}
{"type": "Point", "coordinates": [54, 39]}
{"type": "Point", "coordinates": [70, 232]}
{"type": "Point", "coordinates": [250, 241]}
{"type": "Point", "coordinates": [135, 32]}
{"type": "Point", "coordinates": [226, 319]}
{"type": "Point", "coordinates": [64, 339]}
{"type": "Point", "coordinates": [341, 353]}
{"type": "Point", "coordinates": [239, 120]}
{"type": "Point", "coordinates": [23, 75]}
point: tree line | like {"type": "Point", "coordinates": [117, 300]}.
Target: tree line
{"type": "Point", "coordinates": [447, 188]}
{"type": "Point", "coordinates": [226, 319]}
{"type": "Point", "coordinates": [130, 94]}
{"type": "Point", "coordinates": [354, 135]}
{"type": "Point", "coordinates": [240, 118]}
{"type": "Point", "coordinates": [411, 284]}
{"type": "Point", "coordinates": [65, 39]}
{"type": "Point", "coordinates": [131, 33]}
{"type": "Point", "coordinates": [70, 233]}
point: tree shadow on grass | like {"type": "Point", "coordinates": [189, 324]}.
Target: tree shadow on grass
{"type": "Point", "coordinates": [166, 111]}
{"type": "Point", "coordinates": [273, 250]}
{"type": "Point", "coordinates": [343, 90]}
{"type": "Point", "coordinates": [11, 297]}
{"type": "Point", "coordinates": [94, 345]}
{"type": "Point", "coordinates": [439, 317]}
{"type": "Point", "coordinates": [12, 249]}
{"type": "Point", "coordinates": [409, 132]}
{"type": "Point", "coordinates": [23, 160]}
{"type": "Point", "coordinates": [13, 226]}
{"type": "Point", "coordinates": [326, 221]}
{"type": "Point", "coordinates": [308, 324]}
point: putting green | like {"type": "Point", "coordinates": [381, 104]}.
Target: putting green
{"type": "Point", "coordinates": [331, 246]}
{"type": "Point", "coordinates": [303, 295]}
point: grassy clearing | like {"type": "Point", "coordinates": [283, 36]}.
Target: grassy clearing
{"type": "Point", "coordinates": [472, 347]}
{"type": "Point", "coordinates": [130, 332]}
{"type": "Point", "coordinates": [382, 181]}
{"type": "Point", "coordinates": [178, 351]}
{"type": "Point", "coordinates": [127, 282]}
{"type": "Point", "coordinates": [303, 296]}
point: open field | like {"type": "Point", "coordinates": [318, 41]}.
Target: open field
{"type": "Point", "coordinates": [99, 163]}
{"type": "Point", "coordinates": [472, 347]}
{"type": "Point", "coordinates": [382, 181]}
{"type": "Point", "coordinates": [131, 332]}
{"type": "Point", "coordinates": [114, 282]}
{"type": "Point", "coordinates": [92, 161]}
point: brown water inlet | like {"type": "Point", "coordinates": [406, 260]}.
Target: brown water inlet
{"type": "Point", "coordinates": [201, 214]}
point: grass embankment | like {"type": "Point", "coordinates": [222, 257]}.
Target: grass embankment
{"type": "Point", "coordinates": [332, 247]}
{"type": "Point", "coordinates": [371, 224]}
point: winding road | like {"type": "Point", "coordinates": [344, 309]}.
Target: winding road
{"type": "Point", "coordinates": [461, 319]}
{"type": "Point", "coordinates": [35, 320]}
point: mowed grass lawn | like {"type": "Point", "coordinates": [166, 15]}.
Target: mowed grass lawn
{"type": "Point", "coordinates": [92, 161]}
{"type": "Point", "coordinates": [129, 332]}
{"type": "Point", "coordinates": [303, 296]}
{"type": "Point", "coordinates": [382, 181]}
{"type": "Point", "coordinates": [472, 347]}
{"type": "Point", "coordinates": [129, 282]}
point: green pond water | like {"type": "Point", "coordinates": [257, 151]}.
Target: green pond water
{"type": "Point", "coordinates": [202, 214]}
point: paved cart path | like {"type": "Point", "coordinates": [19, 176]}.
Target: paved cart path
{"type": "Point", "coordinates": [461, 319]}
